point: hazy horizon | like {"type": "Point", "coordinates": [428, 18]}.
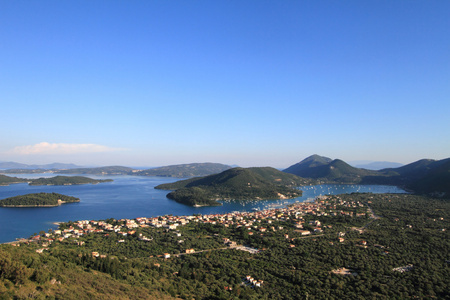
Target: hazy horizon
{"type": "Point", "coordinates": [253, 83]}
{"type": "Point", "coordinates": [355, 163]}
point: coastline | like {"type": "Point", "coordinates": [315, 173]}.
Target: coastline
{"type": "Point", "coordinates": [265, 210]}
{"type": "Point", "coordinates": [27, 221]}
{"type": "Point", "coordinates": [66, 184]}
{"type": "Point", "coordinates": [9, 183]}
{"type": "Point", "coordinates": [55, 205]}
{"type": "Point", "coordinates": [9, 206]}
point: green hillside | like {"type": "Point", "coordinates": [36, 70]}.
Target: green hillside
{"type": "Point", "coordinates": [425, 176]}
{"type": "Point", "coordinates": [66, 180]}
{"type": "Point", "coordinates": [38, 199]}
{"type": "Point", "coordinates": [419, 166]}
{"type": "Point", "coordinates": [336, 171]}
{"type": "Point", "coordinates": [303, 168]}
{"type": "Point", "coordinates": [401, 253]}
{"type": "Point", "coordinates": [185, 170]}
{"type": "Point", "coordinates": [281, 178]}
{"type": "Point", "coordinates": [7, 180]}
{"type": "Point", "coordinates": [111, 170]}
{"type": "Point", "coordinates": [235, 184]}
{"type": "Point", "coordinates": [340, 171]}
{"type": "Point", "coordinates": [436, 182]}
{"type": "Point", "coordinates": [26, 171]}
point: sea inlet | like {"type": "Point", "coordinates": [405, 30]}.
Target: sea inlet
{"type": "Point", "coordinates": [131, 197]}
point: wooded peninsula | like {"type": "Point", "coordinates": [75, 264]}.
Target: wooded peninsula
{"type": "Point", "coordinates": [67, 180]}
{"type": "Point", "coordinates": [57, 180]}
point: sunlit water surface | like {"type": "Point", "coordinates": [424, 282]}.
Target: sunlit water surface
{"type": "Point", "coordinates": [131, 197]}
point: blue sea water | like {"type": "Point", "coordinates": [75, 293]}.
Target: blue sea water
{"type": "Point", "coordinates": [130, 197]}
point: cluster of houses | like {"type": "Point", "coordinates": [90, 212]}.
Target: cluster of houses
{"type": "Point", "coordinates": [96, 254]}
{"type": "Point", "coordinates": [250, 220]}
{"type": "Point", "coordinates": [253, 282]}
{"type": "Point", "coordinates": [255, 221]}
{"type": "Point", "coordinates": [403, 269]}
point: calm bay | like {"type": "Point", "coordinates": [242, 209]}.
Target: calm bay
{"type": "Point", "coordinates": [131, 197]}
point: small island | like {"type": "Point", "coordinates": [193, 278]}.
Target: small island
{"type": "Point", "coordinates": [235, 184]}
{"type": "Point", "coordinates": [38, 200]}
{"type": "Point", "coordinates": [67, 180]}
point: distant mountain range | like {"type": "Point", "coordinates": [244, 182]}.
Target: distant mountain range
{"type": "Point", "coordinates": [14, 165]}
{"type": "Point", "coordinates": [179, 171]}
{"type": "Point", "coordinates": [377, 165]}
{"type": "Point", "coordinates": [425, 176]}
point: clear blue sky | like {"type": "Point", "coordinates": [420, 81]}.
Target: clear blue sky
{"type": "Point", "coordinates": [253, 83]}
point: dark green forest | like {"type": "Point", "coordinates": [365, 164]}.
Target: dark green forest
{"type": "Point", "coordinates": [38, 199]}
{"type": "Point", "coordinates": [66, 180]}
{"type": "Point", "coordinates": [235, 184]}
{"type": "Point", "coordinates": [7, 180]}
{"type": "Point", "coordinates": [426, 176]}
{"type": "Point", "coordinates": [56, 180]}
{"type": "Point", "coordinates": [400, 251]}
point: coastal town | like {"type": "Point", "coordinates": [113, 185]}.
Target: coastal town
{"type": "Point", "coordinates": [333, 241]}
{"type": "Point", "coordinates": [293, 221]}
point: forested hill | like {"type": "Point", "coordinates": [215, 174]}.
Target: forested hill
{"type": "Point", "coordinates": [38, 199]}
{"type": "Point", "coordinates": [436, 181]}
{"type": "Point", "coordinates": [179, 171]}
{"type": "Point", "coordinates": [66, 180]}
{"type": "Point", "coordinates": [236, 184]}
{"type": "Point", "coordinates": [304, 167]}
{"type": "Point", "coordinates": [325, 169]}
{"type": "Point", "coordinates": [7, 180]}
{"type": "Point", "coordinates": [111, 170]}
{"type": "Point", "coordinates": [57, 180]}
{"type": "Point", "coordinates": [185, 170]}
{"type": "Point", "coordinates": [426, 176]}
{"type": "Point", "coordinates": [14, 165]}
{"type": "Point", "coordinates": [400, 253]}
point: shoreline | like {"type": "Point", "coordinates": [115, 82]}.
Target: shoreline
{"type": "Point", "coordinates": [25, 206]}
{"type": "Point", "coordinates": [24, 240]}
{"type": "Point", "coordinates": [12, 206]}
{"type": "Point", "coordinates": [248, 208]}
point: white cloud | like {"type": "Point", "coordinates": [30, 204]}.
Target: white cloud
{"type": "Point", "coordinates": [55, 148]}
